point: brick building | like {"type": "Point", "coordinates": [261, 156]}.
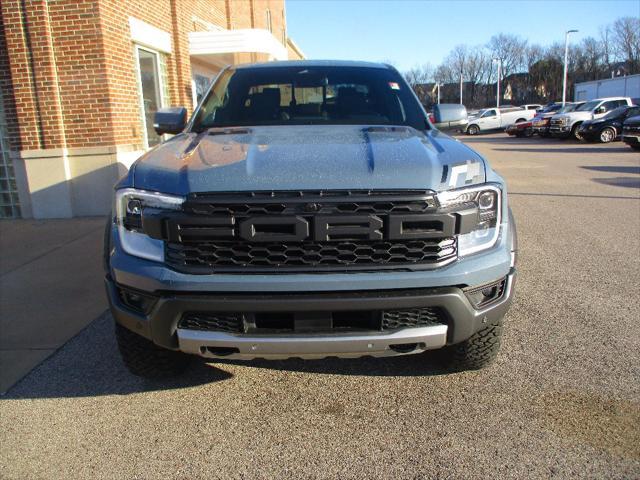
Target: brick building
{"type": "Point", "coordinates": [80, 80]}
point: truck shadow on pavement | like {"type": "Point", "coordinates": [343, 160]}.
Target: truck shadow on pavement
{"type": "Point", "coordinates": [89, 365]}
{"type": "Point", "coordinates": [419, 365]}
{"type": "Point", "coordinates": [628, 182]}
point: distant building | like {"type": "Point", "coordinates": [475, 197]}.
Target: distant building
{"type": "Point", "coordinates": [80, 81]}
{"type": "Point", "coordinates": [628, 86]}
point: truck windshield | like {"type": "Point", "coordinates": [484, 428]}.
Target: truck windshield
{"type": "Point", "coordinates": [304, 95]}
{"type": "Point", "coordinates": [587, 107]}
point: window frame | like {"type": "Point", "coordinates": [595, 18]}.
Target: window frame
{"type": "Point", "coordinates": [269, 22]}
{"type": "Point", "coordinates": [160, 88]}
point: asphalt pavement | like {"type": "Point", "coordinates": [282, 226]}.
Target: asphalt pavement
{"type": "Point", "coordinates": [562, 400]}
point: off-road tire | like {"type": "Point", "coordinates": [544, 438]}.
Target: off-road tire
{"type": "Point", "coordinates": [477, 352]}
{"type": "Point", "coordinates": [145, 359]}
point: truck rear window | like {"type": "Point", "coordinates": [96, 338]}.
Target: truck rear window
{"type": "Point", "coordinates": [309, 95]}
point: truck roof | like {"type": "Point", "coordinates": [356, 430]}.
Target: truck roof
{"type": "Point", "coordinates": [609, 98]}
{"type": "Point", "coordinates": [314, 63]}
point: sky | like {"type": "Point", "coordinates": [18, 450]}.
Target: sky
{"type": "Point", "coordinates": [408, 33]}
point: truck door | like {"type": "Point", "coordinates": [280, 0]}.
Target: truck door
{"type": "Point", "coordinates": [606, 107]}
{"type": "Point", "coordinates": [489, 120]}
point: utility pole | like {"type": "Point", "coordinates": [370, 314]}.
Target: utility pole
{"type": "Point", "coordinates": [566, 54]}
{"type": "Point", "coordinates": [460, 88]}
{"type": "Point", "coordinates": [438, 86]}
{"type": "Point", "coordinates": [499, 60]}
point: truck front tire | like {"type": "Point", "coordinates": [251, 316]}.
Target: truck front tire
{"type": "Point", "coordinates": [574, 131]}
{"type": "Point", "coordinates": [145, 359]}
{"type": "Point", "coordinates": [473, 130]}
{"type": "Point", "coordinates": [478, 351]}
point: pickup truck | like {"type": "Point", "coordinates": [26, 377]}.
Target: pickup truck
{"type": "Point", "coordinates": [308, 209]}
{"type": "Point", "coordinates": [497, 118]}
{"type": "Point", "coordinates": [541, 122]}
{"type": "Point", "coordinates": [566, 125]}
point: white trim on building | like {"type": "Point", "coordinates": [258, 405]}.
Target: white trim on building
{"type": "Point", "coordinates": [211, 46]}
{"type": "Point", "coordinates": [147, 35]}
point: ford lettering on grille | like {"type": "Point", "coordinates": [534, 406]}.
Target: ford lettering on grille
{"type": "Point", "coordinates": [354, 231]}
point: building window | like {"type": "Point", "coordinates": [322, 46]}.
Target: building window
{"type": "Point", "coordinates": [152, 90]}
{"type": "Point", "coordinates": [200, 84]}
{"type": "Point", "coordinates": [9, 203]}
{"type": "Point", "coordinates": [269, 27]}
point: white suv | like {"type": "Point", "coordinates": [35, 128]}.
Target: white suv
{"type": "Point", "coordinates": [567, 124]}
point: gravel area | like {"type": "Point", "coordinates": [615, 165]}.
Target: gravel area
{"type": "Point", "coordinates": [562, 401]}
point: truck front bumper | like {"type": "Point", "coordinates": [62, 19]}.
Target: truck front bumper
{"type": "Point", "coordinates": [631, 139]}
{"type": "Point", "coordinates": [158, 320]}
{"type": "Point", "coordinates": [560, 131]}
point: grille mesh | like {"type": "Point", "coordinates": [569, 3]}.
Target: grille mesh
{"type": "Point", "coordinates": [307, 254]}
{"type": "Point", "coordinates": [415, 317]}
{"type": "Point", "coordinates": [388, 320]}
{"type": "Point", "coordinates": [219, 322]}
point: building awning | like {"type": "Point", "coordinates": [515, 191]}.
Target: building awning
{"type": "Point", "coordinates": [217, 47]}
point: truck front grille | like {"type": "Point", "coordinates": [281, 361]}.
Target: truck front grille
{"type": "Point", "coordinates": [307, 231]}
{"type": "Point", "coordinates": [218, 322]}
{"type": "Point", "coordinates": [334, 322]}
{"type": "Point", "coordinates": [204, 256]}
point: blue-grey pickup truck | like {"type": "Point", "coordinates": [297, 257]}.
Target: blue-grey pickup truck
{"type": "Point", "coordinates": [308, 209]}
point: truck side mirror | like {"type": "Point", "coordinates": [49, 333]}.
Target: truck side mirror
{"type": "Point", "coordinates": [170, 120]}
{"type": "Point", "coordinates": [449, 115]}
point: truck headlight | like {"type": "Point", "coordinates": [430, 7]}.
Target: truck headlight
{"type": "Point", "coordinates": [487, 199]}
{"type": "Point", "coordinates": [129, 206]}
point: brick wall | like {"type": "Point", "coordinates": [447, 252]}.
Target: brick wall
{"type": "Point", "coordinates": [68, 70]}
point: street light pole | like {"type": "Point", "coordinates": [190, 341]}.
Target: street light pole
{"type": "Point", "coordinates": [499, 60]}
{"type": "Point", "coordinates": [438, 85]}
{"type": "Point", "coordinates": [564, 75]}
{"type": "Point", "coordinates": [460, 88]}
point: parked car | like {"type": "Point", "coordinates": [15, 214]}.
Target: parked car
{"type": "Point", "coordinates": [631, 132]}
{"type": "Point", "coordinates": [566, 125]}
{"type": "Point", "coordinates": [449, 116]}
{"type": "Point", "coordinates": [520, 129]}
{"type": "Point", "coordinates": [342, 225]}
{"type": "Point", "coordinates": [497, 118]}
{"type": "Point", "coordinates": [541, 121]}
{"type": "Point", "coordinates": [609, 127]}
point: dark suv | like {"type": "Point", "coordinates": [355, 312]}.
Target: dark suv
{"type": "Point", "coordinates": [609, 127]}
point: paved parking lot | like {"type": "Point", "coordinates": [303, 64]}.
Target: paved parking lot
{"type": "Point", "coordinates": [563, 399]}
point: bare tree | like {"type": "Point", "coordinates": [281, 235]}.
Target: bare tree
{"type": "Point", "coordinates": [626, 40]}
{"type": "Point", "coordinates": [511, 50]}
{"type": "Point", "coordinates": [539, 69]}
{"type": "Point", "coordinates": [419, 74]}
{"type": "Point", "coordinates": [607, 50]}
{"type": "Point", "coordinates": [418, 78]}
{"type": "Point", "coordinates": [589, 59]}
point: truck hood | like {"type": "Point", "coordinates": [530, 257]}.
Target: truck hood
{"type": "Point", "coordinates": [307, 157]}
{"type": "Point", "coordinates": [573, 116]}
